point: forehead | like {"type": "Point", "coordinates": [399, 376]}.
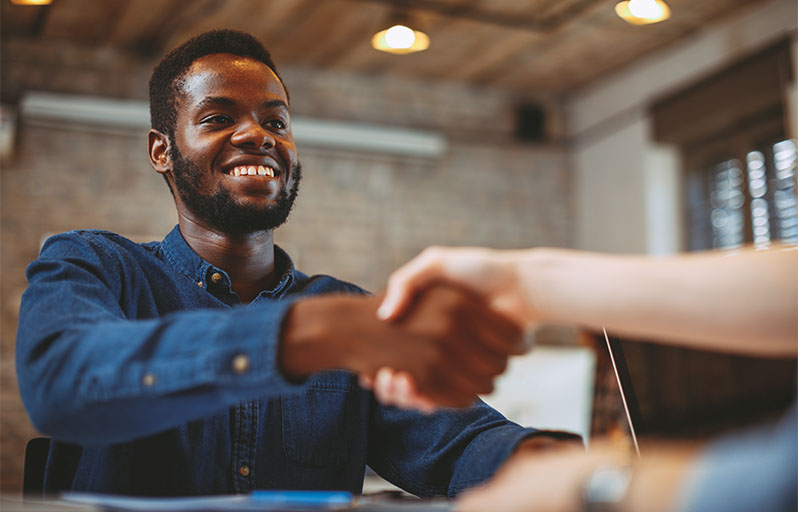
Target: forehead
{"type": "Point", "coordinates": [224, 74]}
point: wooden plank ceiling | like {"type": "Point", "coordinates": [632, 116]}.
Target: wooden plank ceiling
{"type": "Point", "coordinates": [539, 46]}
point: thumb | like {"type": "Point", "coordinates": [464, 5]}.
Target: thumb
{"type": "Point", "coordinates": [396, 301]}
{"type": "Point", "coordinates": [408, 280]}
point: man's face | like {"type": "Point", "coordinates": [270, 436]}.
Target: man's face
{"type": "Point", "coordinates": [234, 158]}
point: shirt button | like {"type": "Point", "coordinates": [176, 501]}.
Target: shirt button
{"type": "Point", "coordinates": [199, 283]}
{"type": "Point", "coordinates": [216, 277]}
{"type": "Point", "coordinates": [148, 380]}
{"type": "Point", "coordinates": [244, 471]}
{"type": "Point", "coordinates": [241, 363]}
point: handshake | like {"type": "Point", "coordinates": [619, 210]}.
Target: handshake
{"type": "Point", "coordinates": [434, 342]}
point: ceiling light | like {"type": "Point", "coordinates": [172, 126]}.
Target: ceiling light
{"type": "Point", "coordinates": [31, 2]}
{"type": "Point", "coordinates": [643, 12]}
{"type": "Point", "coordinates": [400, 39]}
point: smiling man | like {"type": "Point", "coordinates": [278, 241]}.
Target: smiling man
{"type": "Point", "coordinates": [206, 363]}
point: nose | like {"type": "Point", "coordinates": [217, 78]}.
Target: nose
{"type": "Point", "coordinates": [252, 135]}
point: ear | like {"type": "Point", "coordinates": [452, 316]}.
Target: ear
{"type": "Point", "coordinates": [159, 151]}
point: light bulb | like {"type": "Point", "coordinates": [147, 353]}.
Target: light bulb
{"type": "Point", "coordinates": [645, 9]}
{"type": "Point", "coordinates": [400, 37]}
{"type": "Point", "coordinates": [643, 12]}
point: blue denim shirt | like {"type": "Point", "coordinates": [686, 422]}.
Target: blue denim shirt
{"type": "Point", "coordinates": [153, 379]}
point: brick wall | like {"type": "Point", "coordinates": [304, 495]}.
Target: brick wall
{"type": "Point", "coordinates": [358, 216]}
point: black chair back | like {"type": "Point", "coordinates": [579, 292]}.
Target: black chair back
{"type": "Point", "coordinates": [35, 461]}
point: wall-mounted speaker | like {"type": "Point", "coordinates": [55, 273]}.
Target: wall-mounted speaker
{"type": "Point", "coordinates": [530, 123]}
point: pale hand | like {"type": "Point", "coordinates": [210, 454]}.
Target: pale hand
{"type": "Point", "coordinates": [540, 482]}
{"type": "Point", "coordinates": [491, 274]}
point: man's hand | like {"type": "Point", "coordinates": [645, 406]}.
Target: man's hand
{"type": "Point", "coordinates": [448, 342]}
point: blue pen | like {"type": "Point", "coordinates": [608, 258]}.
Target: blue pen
{"type": "Point", "coordinates": [320, 499]}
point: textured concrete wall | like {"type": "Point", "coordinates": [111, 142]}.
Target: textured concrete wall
{"type": "Point", "coordinates": [358, 216]}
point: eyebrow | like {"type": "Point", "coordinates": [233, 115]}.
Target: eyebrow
{"type": "Point", "coordinates": [274, 104]}
{"type": "Point", "coordinates": [227, 102]}
{"type": "Point", "coordinates": [215, 100]}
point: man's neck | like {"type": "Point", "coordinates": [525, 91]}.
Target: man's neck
{"type": "Point", "coordinates": [247, 258]}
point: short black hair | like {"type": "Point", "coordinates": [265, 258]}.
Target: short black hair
{"type": "Point", "coordinates": [165, 80]}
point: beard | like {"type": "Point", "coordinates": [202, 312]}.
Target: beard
{"type": "Point", "coordinates": [221, 211]}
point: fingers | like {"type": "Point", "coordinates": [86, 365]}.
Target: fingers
{"type": "Point", "coordinates": [460, 346]}
{"type": "Point", "coordinates": [365, 381]}
{"type": "Point", "coordinates": [405, 282]}
{"type": "Point", "coordinates": [427, 345]}
{"type": "Point", "coordinates": [484, 339]}
{"type": "Point", "coordinates": [399, 389]}
{"type": "Point", "coordinates": [446, 349]}
{"type": "Point", "coordinates": [495, 331]}
{"type": "Point", "coordinates": [385, 386]}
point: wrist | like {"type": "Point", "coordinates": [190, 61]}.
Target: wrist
{"type": "Point", "coordinates": [606, 488]}
{"type": "Point", "coordinates": [533, 273]}
{"type": "Point", "coordinates": [302, 349]}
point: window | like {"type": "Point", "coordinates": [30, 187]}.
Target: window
{"type": "Point", "coordinates": [739, 165]}
{"type": "Point", "coordinates": [756, 198]}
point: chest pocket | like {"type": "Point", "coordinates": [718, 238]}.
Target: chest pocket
{"type": "Point", "coordinates": [315, 426]}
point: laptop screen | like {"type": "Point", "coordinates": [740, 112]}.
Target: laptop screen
{"type": "Point", "coordinates": [674, 392]}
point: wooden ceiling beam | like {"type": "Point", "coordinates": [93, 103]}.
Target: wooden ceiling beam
{"type": "Point", "coordinates": [470, 39]}
{"type": "Point", "coordinates": [353, 30]}
{"type": "Point", "coordinates": [84, 21]}
{"type": "Point", "coordinates": [192, 18]}
{"type": "Point", "coordinates": [142, 22]}
{"type": "Point", "coordinates": [492, 16]}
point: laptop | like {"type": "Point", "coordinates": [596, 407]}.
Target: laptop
{"type": "Point", "coordinates": [672, 392]}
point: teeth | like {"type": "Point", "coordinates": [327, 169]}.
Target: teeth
{"type": "Point", "coordinates": [252, 170]}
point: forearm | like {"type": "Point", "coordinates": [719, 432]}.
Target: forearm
{"type": "Point", "coordinates": [114, 380]}
{"type": "Point", "coordinates": [306, 345]}
{"type": "Point", "coordinates": [744, 302]}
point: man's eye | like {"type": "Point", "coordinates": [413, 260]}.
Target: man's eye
{"type": "Point", "coordinates": [277, 124]}
{"type": "Point", "coordinates": [216, 119]}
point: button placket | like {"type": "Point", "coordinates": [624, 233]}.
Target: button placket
{"type": "Point", "coordinates": [245, 431]}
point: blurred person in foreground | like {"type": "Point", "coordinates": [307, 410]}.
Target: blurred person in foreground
{"type": "Point", "coordinates": [206, 363]}
{"type": "Point", "coordinates": [743, 301]}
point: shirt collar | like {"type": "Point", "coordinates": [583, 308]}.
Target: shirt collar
{"type": "Point", "coordinates": [182, 256]}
